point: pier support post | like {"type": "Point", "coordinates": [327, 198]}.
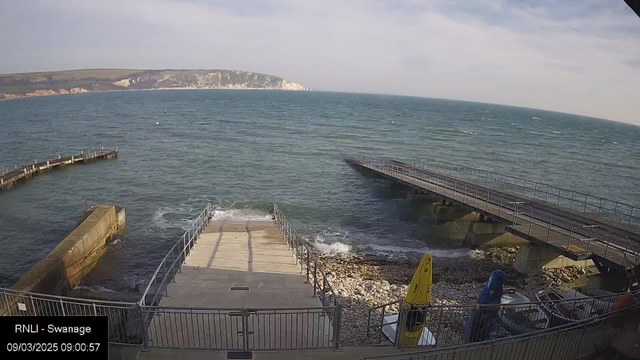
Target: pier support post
{"type": "Point", "coordinates": [532, 258]}
{"type": "Point", "coordinates": [490, 234]}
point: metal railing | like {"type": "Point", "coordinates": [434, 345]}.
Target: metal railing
{"type": "Point", "coordinates": [601, 207]}
{"type": "Point", "coordinates": [125, 319]}
{"type": "Point", "coordinates": [535, 222]}
{"type": "Point", "coordinates": [307, 259]}
{"type": "Point", "coordinates": [240, 329]}
{"type": "Point", "coordinates": [566, 342]}
{"type": "Point", "coordinates": [460, 324]}
{"type": "Point", "coordinates": [151, 326]}
{"type": "Point", "coordinates": [172, 261]}
{"type": "Point", "coordinates": [243, 329]}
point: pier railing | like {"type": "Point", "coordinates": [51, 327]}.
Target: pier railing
{"type": "Point", "coordinates": [461, 324]}
{"type": "Point", "coordinates": [525, 219]}
{"type": "Point", "coordinates": [567, 342]}
{"type": "Point", "coordinates": [601, 208]}
{"type": "Point", "coordinates": [125, 319]}
{"type": "Point", "coordinates": [246, 329]}
{"type": "Point", "coordinates": [172, 261]}
{"type": "Point", "coordinates": [9, 177]}
{"type": "Point", "coordinates": [232, 329]}
{"type": "Point", "coordinates": [307, 259]}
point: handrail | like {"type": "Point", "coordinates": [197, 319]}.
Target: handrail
{"type": "Point", "coordinates": [306, 256]}
{"type": "Point", "coordinates": [65, 298]}
{"type": "Point", "coordinates": [188, 239]}
{"type": "Point", "coordinates": [574, 302]}
{"type": "Point", "coordinates": [539, 188]}
{"type": "Point", "coordinates": [631, 310]}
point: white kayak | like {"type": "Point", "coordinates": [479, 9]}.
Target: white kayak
{"type": "Point", "coordinates": [389, 330]}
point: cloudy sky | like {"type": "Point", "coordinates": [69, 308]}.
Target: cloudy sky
{"type": "Point", "coordinates": [573, 56]}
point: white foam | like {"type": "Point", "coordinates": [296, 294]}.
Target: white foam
{"type": "Point", "coordinates": [160, 220]}
{"type": "Point", "coordinates": [240, 214]}
{"type": "Point", "coordinates": [94, 288]}
{"type": "Point", "coordinates": [395, 250]}
{"type": "Point", "coordinates": [336, 247]}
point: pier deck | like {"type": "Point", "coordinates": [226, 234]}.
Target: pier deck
{"type": "Point", "coordinates": [576, 236]}
{"type": "Point", "coordinates": [9, 178]}
{"type": "Point", "coordinates": [241, 288]}
{"type": "Point", "coordinates": [237, 254]}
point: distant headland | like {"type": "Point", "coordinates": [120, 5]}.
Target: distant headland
{"type": "Point", "coordinates": [90, 80]}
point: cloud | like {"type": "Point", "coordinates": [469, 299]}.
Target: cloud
{"type": "Point", "coordinates": [568, 56]}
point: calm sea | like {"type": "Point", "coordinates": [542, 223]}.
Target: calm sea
{"type": "Point", "coordinates": [245, 150]}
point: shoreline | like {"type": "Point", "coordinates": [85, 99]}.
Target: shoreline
{"type": "Point", "coordinates": [362, 282]}
{"type": "Point", "coordinates": [54, 92]}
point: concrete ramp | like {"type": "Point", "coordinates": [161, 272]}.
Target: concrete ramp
{"type": "Point", "coordinates": [238, 264]}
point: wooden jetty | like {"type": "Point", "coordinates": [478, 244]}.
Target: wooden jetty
{"type": "Point", "coordinates": [9, 178]}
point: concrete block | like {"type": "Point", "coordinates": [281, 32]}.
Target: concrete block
{"type": "Point", "coordinates": [64, 267]}
{"type": "Point", "coordinates": [482, 234]}
{"type": "Point", "coordinates": [532, 258]}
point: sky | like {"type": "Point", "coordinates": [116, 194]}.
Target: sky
{"type": "Point", "coordinates": [579, 57]}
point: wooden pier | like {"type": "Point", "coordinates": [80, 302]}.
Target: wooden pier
{"type": "Point", "coordinates": [9, 178]}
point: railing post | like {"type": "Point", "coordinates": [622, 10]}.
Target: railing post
{"type": "Point", "coordinates": [608, 241]}
{"type": "Point", "coordinates": [337, 327]}
{"type": "Point", "coordinates": [586, 200]}
{"type": "Point", "coordinates": [166, 286]}
{"type": "Point", "coordinates": [400, 325]}
{"type": "Point", "coordinates": [143, 328]}
{"type": "Point", "coordinates": [324, 289]}
{"type": "Point", "coordinates": [308, 258]}
{"type": "Point", "coordinates": [549, 230]}
{"type": "Point", "coordinates": [570, 235]}
{"type": "Point", "coordinates": [315, 276]}
{"type": "Point", "coordinates": [245, 332]}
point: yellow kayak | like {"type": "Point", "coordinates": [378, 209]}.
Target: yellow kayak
{"type": "Point", "coordinates": [418, 295]}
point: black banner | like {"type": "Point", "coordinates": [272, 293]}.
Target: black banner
{"type": "Point", "coordinates": [54, 337]}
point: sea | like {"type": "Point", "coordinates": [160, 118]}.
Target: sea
{"type": "Point", "coordinates": [244, 150]}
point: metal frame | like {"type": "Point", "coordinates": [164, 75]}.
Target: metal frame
{"type": "Point", "coordinates": [124, 318]}
{"type": "Point", "coordinates": [305, 255]}
{"type": "Point", "coordinates": [246, 329]}
{"type": "Point", "coordinates": [567, 342]}
{"type": "Point", "coordinates": [446, 322]}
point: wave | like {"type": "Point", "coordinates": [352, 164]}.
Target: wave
{"type": "Point", "coordinates": [173, 218]}
{"type": "Point", "coordinates": [94, 288]}
{"type": "Point", "coordinates": [398, 250]}
{"type": "Point", "coordinates": [240, 214]}
{"type": "Point", "coordinates": [334, 248]}
{"type": "Point", "coordinates": [339, 247]}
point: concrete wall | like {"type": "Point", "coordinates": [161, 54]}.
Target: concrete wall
{"type": "Point", "coordinates": [482, 234]}
{"type": "Point", "coordinates": [76, 254]}
{"type": "Point", "coordinates": [532, 258]}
